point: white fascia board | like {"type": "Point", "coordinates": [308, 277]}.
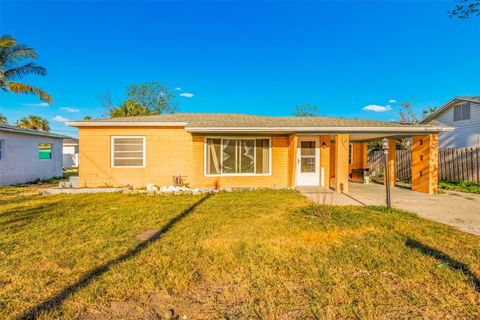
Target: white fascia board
{"type": "Point", "coordinates": [320, 129]}
{"type": "Point", "coordinates": [124, 124]}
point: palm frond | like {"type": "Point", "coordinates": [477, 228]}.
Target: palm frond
{"type": "Point", "coordinates": [6, 41]}
{"type": "Point", "coordinates": [21, 71]}
{"type": "Point", "coordinates": [17, 87]}
{"type": "Point", "coordinates": [17, 52]}
{"type": "Point", "coordinates": [33, 122]}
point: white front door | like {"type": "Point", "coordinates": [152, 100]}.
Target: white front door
{"type": "Point", "coordinates": [308, 161]}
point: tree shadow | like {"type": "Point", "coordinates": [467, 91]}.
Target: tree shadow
{"type": "Point", "coordinates": [442, 257]}
{"type": "Point", "coordinates": [57, 300]}
{"type": "Point", "coordinates": [25, 214]}
{"type": "Point", "coordinates": [355, 199]}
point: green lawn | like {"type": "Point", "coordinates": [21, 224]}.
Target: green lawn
{"type": "Point", "coordinates": [463, 186]}
{"type": "Point", "coordinates": [259, 254]}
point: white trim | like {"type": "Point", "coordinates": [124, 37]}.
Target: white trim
{"type": "Point", "coordinates": [319, 129]}
{"type": "Point", "coordinates": [112, 151]}
{"type": "Point", "coordinates": [124, 124]}
{"type": "Point", "coordinates": [270, 146]}
{"type": "Point", "coordinates": [298, 165]}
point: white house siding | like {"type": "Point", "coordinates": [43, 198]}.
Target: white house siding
{"type": "Point", "coordinates": [466, 133]}
{"type": "Point", "coordinates": [70, 156]}
{"type": "Point", "coordinates": [20, 163]}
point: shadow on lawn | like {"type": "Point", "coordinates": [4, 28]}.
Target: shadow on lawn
{"type": "Point", "coordinates": [57, 300]}
{"type": "Point", "coordinates": [442, 257]}
{"type": "Point", "coordinates": [25, 214]}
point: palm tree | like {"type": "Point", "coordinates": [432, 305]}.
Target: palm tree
{"type": "Point", "coordinates": [130, 109]}
{"type": "Point", "coordinates": [15, 63]}
{"type": "Point", "coordinates": [34, 123]}
{"type": "Point", "coordinates": [3, 119]}
{"type": "Point", "coordinates": [427, 112]}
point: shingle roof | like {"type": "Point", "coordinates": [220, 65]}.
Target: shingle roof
{"type": "Point", "coordinates": [216, 120]}
{"type": "Point", "coordinates": [9, 128]}
{"type": "Point", "coordinates": [70, 141]}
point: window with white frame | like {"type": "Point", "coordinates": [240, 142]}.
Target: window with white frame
{"type": "Point", "coordinates": [237, 156]}
{"type": "Point", "coordinates": [128, 152]}
{"type": "Point", "coordinates": [350, 154]}
{"type": "Point", "coordinates": [2, 152]}
{"type": "Point", "coordinates": [461, 112]}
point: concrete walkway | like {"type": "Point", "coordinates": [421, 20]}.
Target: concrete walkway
{"type": "Point", "coordinates": [458, 209]}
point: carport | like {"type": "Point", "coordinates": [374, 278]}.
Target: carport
{"type": "Point", "coordinates": [342, 153]}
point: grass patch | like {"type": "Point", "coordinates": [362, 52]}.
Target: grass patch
{"type": "Point", "coordinates": [463, 186]}
{"type": "Point", "coordinates": [259, 254]}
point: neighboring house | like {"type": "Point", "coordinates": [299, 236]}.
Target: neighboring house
{"type": "Point", "coordinates": [235, 150]}
{"type": "Point", "coordinates": [70, 153]}
{"type": "Point", "coordinates": [462, 113]}
{"type": "Point", "coordinates": [28, 155]}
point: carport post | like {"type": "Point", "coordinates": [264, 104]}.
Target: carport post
{"type": "Point", "coordinates": [387, 172]}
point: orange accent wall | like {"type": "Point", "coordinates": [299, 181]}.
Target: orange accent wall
{"type": "Point", "coordinates": [169, 150]}
{"type": "Point", "coordinates": [360, 157]}
{"type": "Point", "coordinates": [325, 158]}
{"type": "Point", "coordinates": [425, 163]}
{"type": "Point", "coordinates": [392, 154]}
{"type": "Point", "coordinates": [292, 159]}
{"type": "Point", "coordinates": [341, 162]}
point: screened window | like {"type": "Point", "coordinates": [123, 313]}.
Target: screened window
{"type": "Point", "coordinates": [350, 154]}
{"type": "Point", "coordinates": [45, 151]}
{"type": "Point", "coordinates": [128, 152]}
{"type": "Point", "coordinates": [461, 112]}
{"type": "Point", "coordinates": [237, 156]}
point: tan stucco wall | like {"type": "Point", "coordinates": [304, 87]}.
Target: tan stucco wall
{"type": "Point", "coordinates": [172, 150]}
{"type": "Point", "coordinates": [168, 151]}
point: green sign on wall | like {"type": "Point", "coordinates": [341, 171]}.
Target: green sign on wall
{"type": "Point", "coordinates": [45, 151]}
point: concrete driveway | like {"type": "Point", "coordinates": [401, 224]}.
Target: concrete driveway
{"type": "Point", "coordinates": [458, 209]}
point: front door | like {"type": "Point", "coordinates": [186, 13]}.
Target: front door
{"type": "Point", "coordinates": [308, 162]}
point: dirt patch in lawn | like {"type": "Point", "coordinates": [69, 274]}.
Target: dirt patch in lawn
{"type": "Point", "coordinates": [147, 234]}
{"type": "Point", "coordinates": [165, 306]}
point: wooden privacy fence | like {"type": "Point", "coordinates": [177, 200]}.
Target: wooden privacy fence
{"type": "Point", "coordinates": [460, 164]}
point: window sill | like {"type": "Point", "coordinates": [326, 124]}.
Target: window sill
{"type": "Point", "coordinates": [239, 175]}
{"type": "Point", "coordinates": [129, 167]}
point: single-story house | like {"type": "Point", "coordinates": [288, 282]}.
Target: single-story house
{"type": "Point", "coordinates": [238, 150]}
{"type": "Point", "coordinates": [463, 114]}
{"type": "Point", "coordinates": [70, 152]}
{"type": "Point", "coordinates": [28, 155]}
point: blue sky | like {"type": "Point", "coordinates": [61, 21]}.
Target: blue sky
{"type": "Point", "coordinates": [252, 57]}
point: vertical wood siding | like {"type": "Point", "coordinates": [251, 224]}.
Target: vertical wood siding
{"type": "Point", "coordinates": [455, 164]}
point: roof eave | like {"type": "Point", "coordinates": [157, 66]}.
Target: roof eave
{"type": "Point", "coordinates": [39, 133]}
{"type": "Point", "coordinates": [124, 124]}
{"type": "Point", "coordinates": [392, 130]}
